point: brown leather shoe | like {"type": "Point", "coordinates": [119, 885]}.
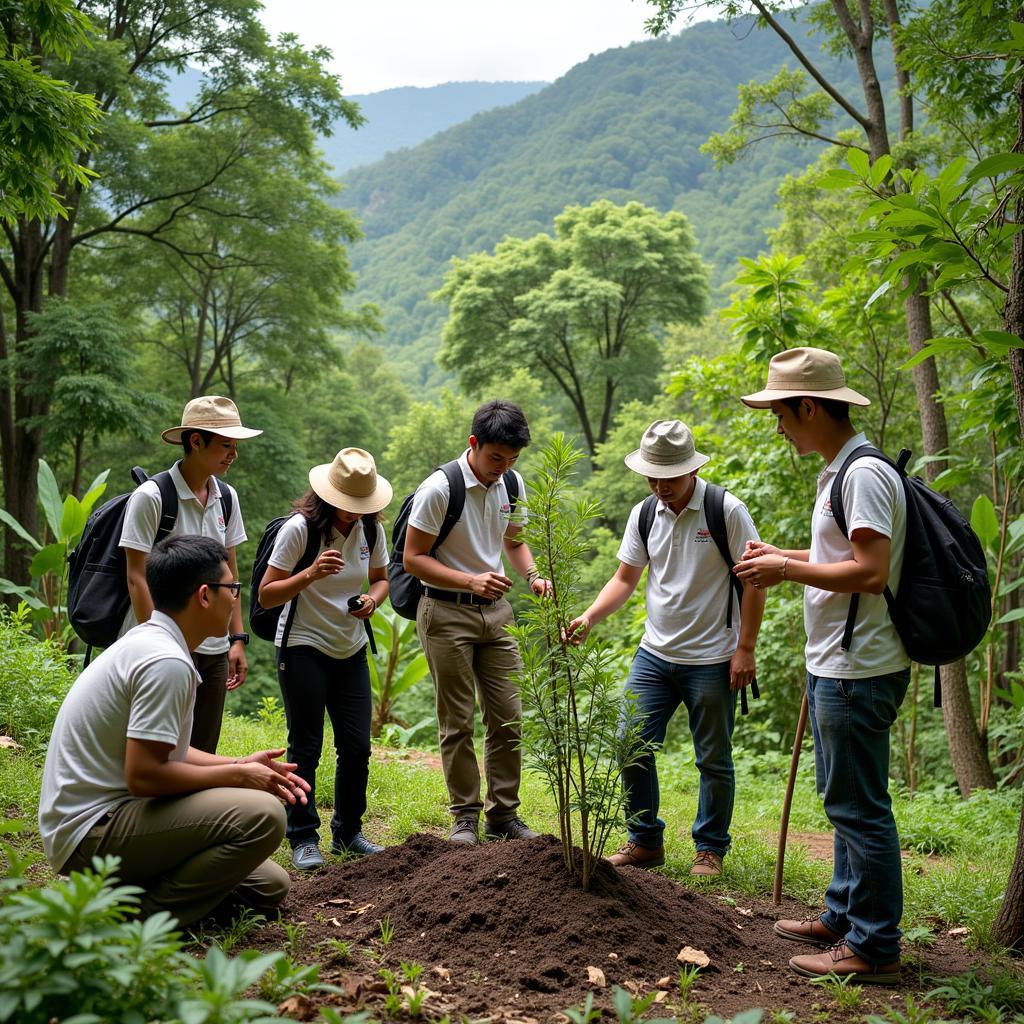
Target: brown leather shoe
{"type": "Point", "coordinates": [810, 930]}
{"type": "Point", "coordinates": [706, 864]}
{"type": "Point", "coordinates": [843, 962]}
{"type": "Point", "coordinates": [634, 856]}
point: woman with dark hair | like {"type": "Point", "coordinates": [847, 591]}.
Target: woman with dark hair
{"type": "Point", "coordinates": [325, 669]}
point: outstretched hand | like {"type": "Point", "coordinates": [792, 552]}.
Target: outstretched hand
{"type": "Point", "coordinates": [262, 770]}
{"type": "Point", "coordinates": [578, 630]}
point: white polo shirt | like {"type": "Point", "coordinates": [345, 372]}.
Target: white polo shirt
{"type": "Point", "coordinates": [141, 687]}
{"type": "Point", "coordinates": [476, 542]}
{"type": "Point", "coordinates": [688, 580]}
{"type": "Point", "coordinates": [873, 498]}
{"type": "Point", "coordinates": [142, 519]}
{"type": "Point", "coordinates": [322, 619]}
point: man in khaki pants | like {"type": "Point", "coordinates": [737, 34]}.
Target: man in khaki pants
{"type": "Point", "coordinates": [121, 779]}
{"type": "Point", "coordinates": [462, 621]}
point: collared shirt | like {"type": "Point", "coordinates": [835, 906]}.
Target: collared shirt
{"type": "Point", "coordinates": [688, 581]}
{"type": "Point", "coordinates": [142, 687]}
{"type": "Point", "coordinates": [142, 520]}
{"type": "Point", "coordinates": [873, 499]}
{"type": "Point", "coordinates": [322, 619]}
{"type": "Point", "coordinates": [476, 542]}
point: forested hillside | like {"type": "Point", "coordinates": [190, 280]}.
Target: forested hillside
{"type": "Point", "coordinates": [398, 118]}
{"type": "Point", "coordinates": [626, 124]}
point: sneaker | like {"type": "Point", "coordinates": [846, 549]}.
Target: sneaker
{"type": "Point", "coordinates": [464, 831]}
{"type": "Point", "coordinates": [634, 856]}
{"type": "Point", "coordinates": [844, 963]}
{"type": "Point", "coordinates": [357, 846]}
{"type": "Point", "coordinates": [307, 857]}
{"type": "Point", "coordinates": [514, 828]}
{"type": "Point", "coordinates": [706, 864]}
{"type": "Point", "coordinates": [810, 930]}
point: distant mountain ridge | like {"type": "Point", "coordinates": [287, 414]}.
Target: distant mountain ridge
{"type": "Point", "coordinates": [625, 124]}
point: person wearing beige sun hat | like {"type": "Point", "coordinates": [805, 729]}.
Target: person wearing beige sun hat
{"type": "Point", "coordinates": [322, 664]}
{"type": "Point", "coordinates": [857, 667]}
{"type": "Point", "coordinates": [208, 434]}
{"type": "Point", "coordinates": [689, 654]}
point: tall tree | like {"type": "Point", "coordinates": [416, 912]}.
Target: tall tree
{"type": "Point", "coordinates": [852, 27]}
{"type": "Point", "coordinates": [277, 87]}
{"type": "Point", "coordinates": [580, 310]}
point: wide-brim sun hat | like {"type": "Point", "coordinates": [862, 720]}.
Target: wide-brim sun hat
{"type": "Point", "coordinates": [804, 373]}
{"type": "Point", "coordinates": [351, 482]}
{"type": "Point", "coordinates": [214, 414]}
{"type": "Point", "coordinates": [666, 450]}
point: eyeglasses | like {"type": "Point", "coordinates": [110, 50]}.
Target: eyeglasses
{"type": "Point", "coordinates": [235, 588]}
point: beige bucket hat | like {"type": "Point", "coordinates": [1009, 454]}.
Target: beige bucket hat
{"type": "Point", "coordinates": [351, 482]}
{"type": "Point", "coordinates": [666, 450]}
{"type": "Point", "coordinates": [213, 413]}
{"type": "Point", "coordinates": [800, 372]}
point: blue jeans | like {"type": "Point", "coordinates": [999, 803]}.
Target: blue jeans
{"type": "Point", "coordinates": [851, 719]}
{"type": "Point", "coordinates": [660, 687]}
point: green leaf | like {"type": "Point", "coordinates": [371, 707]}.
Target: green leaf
{"type": "Point", "coordinates": [881, 168]}
{"type": "Point", "coordinates": [998, 342]}
{"type": "Point", "coordinates": [999, 163]}
{"type": "Point", "coordinates": [860, 162]}
{"type": "Point", "coordinates": [936, 347]}
{"type": "Point", "coordinates": [49, 497]}
{"type": "Point", "coordinates": [837, 179]}
{"type": "Point", "coordinates": [1015, 615]}
{"type": "Point", "coordinates": [878, 293]}
{"type": "Point", "coordinates": [984, 520]}
{"type": "Point", "coordinates": [9, 520]}
{"type": "Point", "coordinates": [72, 520]}
{"type": "Point", "coordinates": [49, 559]}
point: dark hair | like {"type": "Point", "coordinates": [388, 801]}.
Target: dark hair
{"type": "Point", "coordinates": [318, 513]}
{"type": "Point", "coordinates": [839, 411]}
{"type": "Point", "coordinates": [501, 422]}
{"type": "Point", "coordinates": [186, 438]}
{"type": "Point", "coordinates": [178, 566]}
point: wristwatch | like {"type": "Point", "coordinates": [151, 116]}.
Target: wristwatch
{"type": "Point", "coordinates": [235, 637]}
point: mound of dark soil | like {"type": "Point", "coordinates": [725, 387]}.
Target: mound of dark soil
{"type": "Point", "coordinates": [502, 931]}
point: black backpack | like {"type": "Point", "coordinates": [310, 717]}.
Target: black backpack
{"type": "Point", "coordinates": [98, 598]}
{"type": "Point", "coordinates": [944, 603]}
{"type": "Point", "coordinates": [404, 589]}
{"type": "Point", "coordinates": [263, 621]}
{"type": "Point", "coordinates": [714, 513]}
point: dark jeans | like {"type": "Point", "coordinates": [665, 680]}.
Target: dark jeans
{"type": "Point", "coordinates": [851, 719]}
{"type": "Point", "coordinates": [660, 687]}
{"type": "Point", "coordinates": [311, 684]}
{"type": "Point", "coordinates": [208, 711]}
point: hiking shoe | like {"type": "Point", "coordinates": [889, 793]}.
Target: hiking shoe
{"type": "Point", "coordinates": [844, 963]}
{"type": "Point", "coordinates": [514, 828]}
{"type": "Point", "coordinates": [357, 846]}
{"type": "Point", "coordinates": [634, 856]}
{"type": "Point", "coordinates": [706, 864]}
{"type": "Point", "coordinates": [464, 831]}
{"type": "Point", "coordinates": [810, 930]}
{"type": "Point", "coordinates": [307, 857]}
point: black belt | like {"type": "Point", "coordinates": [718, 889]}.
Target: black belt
{"type": "Point", "coordinates": [458, 597]}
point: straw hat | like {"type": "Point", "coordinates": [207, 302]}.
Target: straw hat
{"type": "Point", "coordinates": [351, 482]}
{"type": "Point", "coordinates": [800, 372]}
{"type": "Point", "coordinates": [213, 413]}
{"type": "Point", "coordinates": [666, 450]}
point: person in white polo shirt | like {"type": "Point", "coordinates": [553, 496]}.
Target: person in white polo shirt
{"type": "Point", "coordinates": [697, 648]}
{"type": "Point", "coordinates": [322, 668]}
{"type": "Point", "coordinates": [209, 433]}
{"type": "Point", "coordinates": [462, 620]}
{"type": "Point", "coordinates": [856, 681]}
{"type": "Point", "coordinates": [191, 829]}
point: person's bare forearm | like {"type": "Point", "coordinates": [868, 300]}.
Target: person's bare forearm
{"type": "Point", "coordinates": [751, 614]}
{"type": "Point", "coordinates": [520, 557]}
{"type": "Point", "coordinates": [282, 591]}
{"type": "Point", "coordinates": [175, 777]}
{"type": "Point", "coordinates": [849, 577]}
{"type": "Point", "coordinates": [142, 602]}
{"type": "Point", "coordinates": [614, 594]}
{"type": "Point", "coordinates": [430, 571]}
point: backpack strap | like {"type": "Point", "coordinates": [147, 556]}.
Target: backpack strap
{"type": "Point", "coordinates": [370, 527]}
{"type": "Point", "coordinates": [645, 520]}
{"type": "Point", "coordinates": [456, 501]}
{"type": "Point", "coordinates": [227, 504]}
{"type": "Point", "coordinates": [714, 514]}
{"type": "Point", "coordinates": [168, 504]}
{"type": "Point", "coordinates": [307, 559]}
{"type": "Point", "coordinates": [511, 488]}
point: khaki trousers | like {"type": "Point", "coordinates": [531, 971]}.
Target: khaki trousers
{"type": "Point", "coordinates": [471, 656]}
{"type": "Point", "coordinates": [189, 853]}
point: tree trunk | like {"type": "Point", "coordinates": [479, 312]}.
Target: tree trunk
{"type": "Point", "coordinates": [970, 759]}
{"type": "Point", "coordinates": [1008, 929]}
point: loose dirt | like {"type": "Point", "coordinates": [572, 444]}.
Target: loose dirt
{"type": "Point", "coordinates": [502, 932]}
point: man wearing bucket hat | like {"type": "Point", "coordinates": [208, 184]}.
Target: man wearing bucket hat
{"type": "Point", "coordinates": [853, 692]}
{"type": "Point", "coordinates": [689, 653]}
{"type": "Point", "coordinates": [209, 433]}
{"type": "Point", "coordinates": [321, 663]}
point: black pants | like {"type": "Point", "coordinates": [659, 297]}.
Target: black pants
{"type": "Point", "coordinates": [311, 684]}
{"type": "Point", "coordinates": [208, 712]}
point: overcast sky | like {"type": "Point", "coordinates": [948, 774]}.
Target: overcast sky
{"type": "Point", "coordinates": [425, 42]}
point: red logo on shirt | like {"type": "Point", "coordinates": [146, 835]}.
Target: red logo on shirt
{"type": "Point", "coordinates": [826, 508]}
{"type": "Point", "coordinates": [703, 536]}
{"type": "Point", "coordinates": [364, 551]}
{"type": "Point", "coordinates": [220, 523]}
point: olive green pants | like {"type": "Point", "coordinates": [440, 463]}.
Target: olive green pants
{"type": "Point", "coordinates": [471, 656]}
{"type": "Point", "coordinates": [190, 853]}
